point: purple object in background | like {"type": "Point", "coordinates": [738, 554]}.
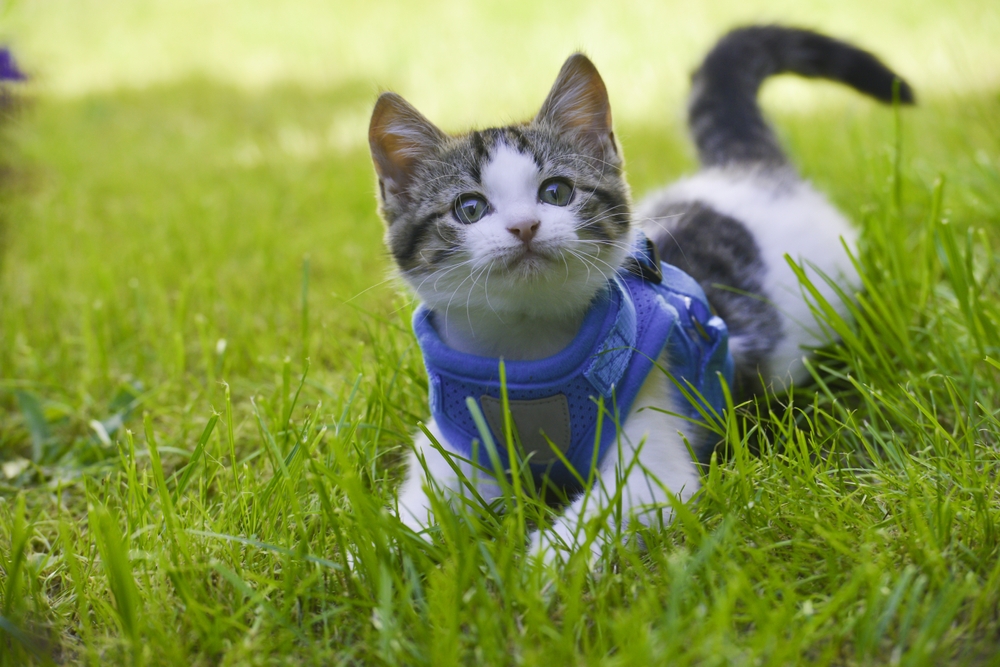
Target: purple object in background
{"type": "Point", "coordinates": [8, 68]}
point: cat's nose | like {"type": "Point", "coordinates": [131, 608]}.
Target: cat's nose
{"type": "Point", "coordinates": [524, 230]}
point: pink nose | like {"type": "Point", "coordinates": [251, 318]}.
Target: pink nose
{"type": "Point", "coordinates": [524, 230]}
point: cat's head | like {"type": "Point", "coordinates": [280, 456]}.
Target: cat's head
{"type": "Point", "coordinates": [527, 220]}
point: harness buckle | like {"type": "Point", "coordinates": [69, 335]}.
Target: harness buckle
{"type": "Point", "coordinates": [645, 261]}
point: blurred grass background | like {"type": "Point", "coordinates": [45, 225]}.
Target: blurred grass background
{"type": "Point", "coordinates": [191, 203]}
{"type": "Point", "coordinates": [200, 149]}
{"type": "Point", "coordinates": [468, 63]}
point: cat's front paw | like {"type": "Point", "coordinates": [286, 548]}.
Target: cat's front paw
{"type": "Point", "coordinates": [420, 526]}
{"type": "Point", "coordinates": [555, 546]}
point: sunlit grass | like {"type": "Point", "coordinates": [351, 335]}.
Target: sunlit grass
{"type": "Point", "coordinates": [207, 382]}
{"type": "Point", "coordinates": [472, 63]}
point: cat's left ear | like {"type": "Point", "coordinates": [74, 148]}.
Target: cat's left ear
{"type": "Point", "coordinates": [578, 106]}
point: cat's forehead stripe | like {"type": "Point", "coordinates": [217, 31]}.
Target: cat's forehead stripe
{"type": "Point", "coordinates": [479, 149]}
{"type": "Point", "coordinates": [522, 141]}
{"type": "Point", "coordinates": [484, 144]}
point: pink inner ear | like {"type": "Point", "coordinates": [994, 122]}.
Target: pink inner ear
{"type": "Point", "coordinates": [394, 155]}
{"type": "Point", "coordinates": [578, 101]}
{"type": "Point", "coordinates": [399, 136]}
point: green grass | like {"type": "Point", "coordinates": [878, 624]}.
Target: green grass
{"type": "Point", "coordinates": [206, 384]}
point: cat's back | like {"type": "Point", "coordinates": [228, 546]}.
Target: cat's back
{"type": "Point", "coordinates": [732, 225]}
{"type": "Point", "coordinates": [731, 230]}
{"type": "Point", "coordinates": [783, 213]}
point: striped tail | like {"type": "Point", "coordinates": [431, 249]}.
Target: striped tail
{"type": "Point", "coordinates": [723, 113]}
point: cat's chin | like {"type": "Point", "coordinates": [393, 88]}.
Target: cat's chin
{"type": "Point", "coordinates": [549, 263]}
{"type": "Point", "coordinates": [528, 265]}
{"type": "Point", "coordinates": [543, 284]}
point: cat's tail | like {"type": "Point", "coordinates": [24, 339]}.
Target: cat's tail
{"type": "Point", "coordinates": [723, 113]}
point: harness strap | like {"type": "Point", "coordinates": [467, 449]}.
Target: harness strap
{"type": "Point", "coordinates": [648, 308]}
{"type": "Point", "coordinates": [616, 351]}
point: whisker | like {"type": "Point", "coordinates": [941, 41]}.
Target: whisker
{"type": "Point", "coordinates": [583, 259]}
{"type": "Point", "coordinates": [486, 291]}
{"type": "Point", "coordinates": [468, 299]}
{"type": "Point", "coordinates": [666, 230]}
{"type": "Point", "coordinates": [454, 293]}
{"type": "Point", "coordinates": [614, 270]}
{"type": "Point", "coordinates": [368, 289]}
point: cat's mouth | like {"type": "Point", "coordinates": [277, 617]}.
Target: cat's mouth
{"type": "Point", "coordinates": [528, 261]}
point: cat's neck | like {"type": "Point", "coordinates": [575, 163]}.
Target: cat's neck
{"type": "Point", "coordinates": [513, 336]}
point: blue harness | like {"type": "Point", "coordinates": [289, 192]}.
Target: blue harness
{"type": "Point", "coordinates": [647, 307]}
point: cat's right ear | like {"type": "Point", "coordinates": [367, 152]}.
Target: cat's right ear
{"type": "Point", "coordinates": [399, 138]}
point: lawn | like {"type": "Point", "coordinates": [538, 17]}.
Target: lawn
{"type": "Point", "coordinates": [208, 380]}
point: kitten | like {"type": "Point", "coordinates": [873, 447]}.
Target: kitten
{"type": "Point", "coordinates": [513, 237]}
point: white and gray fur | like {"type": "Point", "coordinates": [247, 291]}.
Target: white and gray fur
{"type": "Point", "coordinates": [730, 225]}
{"type": "Point", "coordinates": [517, 282]}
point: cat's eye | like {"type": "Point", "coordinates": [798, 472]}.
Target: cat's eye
{"type": "Point", "coordinates": [470, 208]}
{"type": "Point", "coordinates": [556, 191]}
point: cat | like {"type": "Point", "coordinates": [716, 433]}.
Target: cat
{"type": "Point", "coordinates": [511, 237]}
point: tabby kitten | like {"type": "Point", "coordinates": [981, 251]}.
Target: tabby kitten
{"type": "Point", "coordinates": [510, 236]}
